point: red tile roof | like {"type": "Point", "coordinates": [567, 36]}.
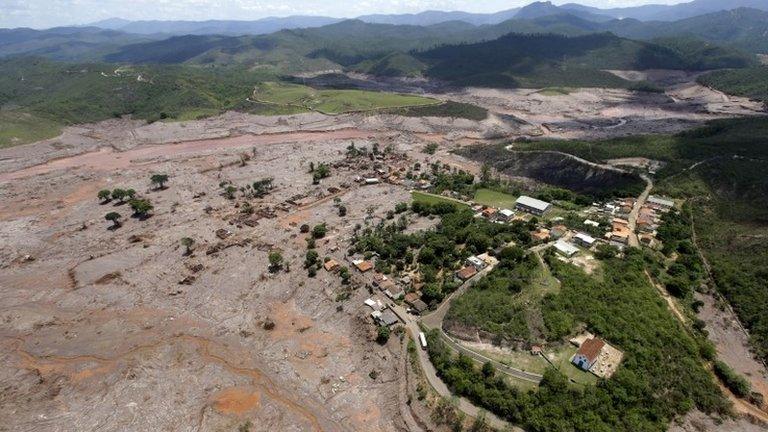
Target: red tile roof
{"type": "Point", "coordinates": [591, 349]}
{"type": "Point", "coordinates": [466, 273]}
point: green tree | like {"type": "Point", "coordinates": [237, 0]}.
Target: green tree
{"type": "Point", "coordinates": [130, 193]}
{"type": "Point", "coordinates": [187, 242]}
{"type": "Point", "coordinates": [119, 194]}
{"type": "Point", "coordinates": [382, 334]}
{"type": "Point", "coordinates": [141, 207]}
{"type": "Point", "coordinates": [342, 211]}
{"type": "Point", "coordinates": [319, 231]}
{"type": "Point", "coordinates": [159, 180]}
{"type": "Point", "coordinates": [311, 258]}
{"type": "Point", "coordinates": [344, 274]}
{"type": "Point", "coordinates": [262, 187]}
{"type": "Point", "coordinates": [229, 192]}
{"type": "Point", "coordinates": [105, 195]}
{"type": "Point", "coordinates": [113, 217]}
{"type": "Point", "coordinates": [275, 261]}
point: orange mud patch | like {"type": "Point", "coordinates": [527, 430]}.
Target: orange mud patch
{"type": "Point", "coordinates": [51, 206]}
{"type": "Point", "coordinates": [107, 159]}
{"type": "Point", "coordinates": [292, 326]}
{"type": "Point", "coordinates": [294, 219]}
{"type": "Point", "coordinates": [79, 367]}
{"type": "Point", "coordinates": [236, 400]}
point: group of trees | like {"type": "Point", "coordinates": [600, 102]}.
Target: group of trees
{"type": "Point", "coordinates": [141, 206]}
{"type": "Point", "coordinates": [319, 171]}
{"type": "Point", "coordinates": [258, 189]}
{"type": "Point", "coordinates": [684, 275]}
{"type": "Point", "coordinates": [436, 253]}
{"type": "Point", "coordinates": [661, 376]}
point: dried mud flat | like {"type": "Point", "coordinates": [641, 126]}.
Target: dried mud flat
{"type": "Point", "coordinates": [119, 330]}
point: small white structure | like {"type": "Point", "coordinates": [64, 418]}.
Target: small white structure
{"type": "Point", "coordinates": [584, 240]}
{"type": "Point", "coordinates": [423, 340]}
{"type": "Point", "coordinates": [661, 202]}
{"type": "Point", "coordinates": [506, 214]}
{"type": "Point", "coordinates": [374, 304]}
{"type": "Point", "coordinates": [566, 249]}
{"type": "Point", "coordinates": [476, 262]}
{"type": "Point", "coordinates": [591, 223]}
{"type": "Point", "coordinates": [372, 181]}
{"type": "Point", "coordinates": [532, 205]}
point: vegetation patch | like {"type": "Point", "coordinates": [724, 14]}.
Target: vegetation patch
{"type": "Point", "coordinates": [18, 127]}
{"type": "Point", "coordinates": [334, 101]}
{"type": "Point", "coordinates": [750, 82]}
{"type": "Point", "coordinates": [495, 198]}
{"type": "Point", "coordinates": [447, 109]}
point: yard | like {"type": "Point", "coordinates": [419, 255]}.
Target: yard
{"type": "Point", "coordinates": [335, 101]}
{"type": "Point", "coordinates": [429, 198]}
{"type": "Point", "coordinates": [494, 198]}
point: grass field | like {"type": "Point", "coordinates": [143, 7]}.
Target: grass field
{"type": "Point", "coordinates": [428, 198]}
{"type": "Point", "coordinates": [20, 128]}
{"type": "Point", "coordinates": [335, 101]}
{"type": "Point", "coordinates": [554, 91]}
{"type": "Point", "coordinates": [495, 199]}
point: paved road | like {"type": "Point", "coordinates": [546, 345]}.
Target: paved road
{"type": "Point", "coordinates": [464, 405]}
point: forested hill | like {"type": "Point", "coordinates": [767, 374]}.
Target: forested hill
{"type": "Point", "coordinates": [518, 60]}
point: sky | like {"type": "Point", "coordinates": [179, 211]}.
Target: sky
{"type": "Point", "coordinates": [51, 13]}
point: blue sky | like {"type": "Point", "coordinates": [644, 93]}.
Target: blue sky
{"type": "Point", "coordinates": [49, 13]}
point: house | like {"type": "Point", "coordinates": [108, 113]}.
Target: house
{"type": "Point", "coordinates": [540, 235]}
{"type": "Point", "coordinates": [566, 249]}
{"type": "Point", "coordinates": [386, 318]}
{"type": "Point", "coordinates": [489, 212]}
{"type": "Point", "coordinates": [558, 231]}
{"type": "Point", "coordinates": [374, 304]}
{"type": "Point", "coordinates": [476, 262]}
{"type": "Point", "coordinates": [466, 273]}
{"type": "Point", "coordinates": [390, 289]}
{"type": "Point", "coordinates": [506, 215]}
{"type": "Point", "coordinates": [588, 353]}
{"type": "Point", "coordinates": [363, 265]}
{"type": "Point", "coordinates": [536, 350]}
{"type": "Point", "coordinates": [592, 223]}
{"type": "Point", "coordinates": [584, 240]}
{"type": "Point", "coordinates": [372, 181]}
{"type": "Point", "coordinates": [413, 300]}
{"type": "Point", "coordinates": [331, 265]}
{"type": "Point", "coordinates": [660, 203]}
{"type": "Point", "coordinates": [487, 259]}
{"type": "Point", "coordinates": [532, 205]}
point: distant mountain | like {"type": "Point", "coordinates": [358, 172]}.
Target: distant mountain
{"type": "Point", "coordinates": [743, 28]}
{"type": "Point", "coordinates": [518, 60]}
{"type": "Point", "coordinates": [657, 12]}
{"type": "Point", "coordinates": [543, 9]}
{"type": "Point", "coordinates": [65, 43]}
{"type": "Point", "coordinates": [216, 27]}
{"type": "Point", "coordinates": [436, 17]}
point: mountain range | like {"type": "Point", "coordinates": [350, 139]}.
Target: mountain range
{"type": "Point", "coordinates": [531, 11]}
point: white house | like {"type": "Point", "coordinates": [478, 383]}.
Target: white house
{"type": "Point", "coordinates": [588, 353]}
{"type": "Point", "coordinates": [532, 205]}
{"type": "Point", "coordinates": [584, 240]}
{"type": "Point", "coordinates": [566, 249]}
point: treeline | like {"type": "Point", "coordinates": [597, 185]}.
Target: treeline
{"type": "Point", "coordinates": [661, 377]}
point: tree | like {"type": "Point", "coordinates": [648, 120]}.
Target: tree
{"type": "Point", "coordinates": [342, 211]}
{"type": "Point", "coordinates": [187, 242]}
{"type": "Point", "coordinates": [344, 275]}
{"type": "Point", "coordinates": [311, 258]}
{"type": "Point", "coordinates": [229, 192]}
{"type": "Point", "coordinates": [113, 217]}
{"type": "Point", "coordinates": [119, 194]}
{"type": "Point", "coordinates": [382, 334]}
{"type": "Point", "coordinates": [105, 195]}
{"type": "Point", "coordinates": [159, 180]}
{"type": "Point", "coordinates": [275, 261]}
{"type": "Point", "coordinates": [130, 193]}
{"type": "Point", "coordinates": [319, 231]}
{"type": "Point", "coordinates": [262, 187]}
{"type": "Point", "coordinates": [304, 228]}
{"type": "Point", "coordinates": [141, 207]}
{"type": "Point", "coordinates": [485, 174]}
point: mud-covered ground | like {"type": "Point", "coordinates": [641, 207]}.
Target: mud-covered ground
{"type": "Point", "coordinates": [119, 330]}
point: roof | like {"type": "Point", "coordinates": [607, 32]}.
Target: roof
{"type": "Point", "coordinates": [364, 266]}
{"type": "Point", "coordinates": [591, 349]}
{"type": "Point", "coordinates": [410, 297]}
{"type": "Point", "coordinates": [591, 222]}
{"type": "Point", "coordinates": [330, 264]}
{"type": "Point", "coordinates": [466, 273]}
{"type": "Point", "coordinates": [532, 203]}
{"type": "Point", "coordinates": [566, 248]}
{"type": "Point", "coordinates": [419, 305]}
{"type": "Point", "coordinates": [506, 212]}
{"type": "Point", "coordinates": [585, 238]}
{"type": "Point", "coordinates": [540, 234]}
{"type": "Point", "coordinates": [388, 318]}
{"type": "Point", "coordinates": [661, 201]}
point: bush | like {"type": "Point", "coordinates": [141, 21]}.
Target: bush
{"type": "Point", "coordinates": [319, 231]}
{"type": "Point", "coordinates": [304, 228]}
{"type": "Point", "coordinates": [735, 382]}
{"type": "Point", "coordinates": [382, 334]}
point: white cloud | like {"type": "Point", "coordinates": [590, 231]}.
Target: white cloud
{"type": "Point", "coordinates": [48, 13]}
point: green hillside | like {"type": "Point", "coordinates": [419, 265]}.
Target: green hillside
{"type": "Point", "coordinates": [751, 82]}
